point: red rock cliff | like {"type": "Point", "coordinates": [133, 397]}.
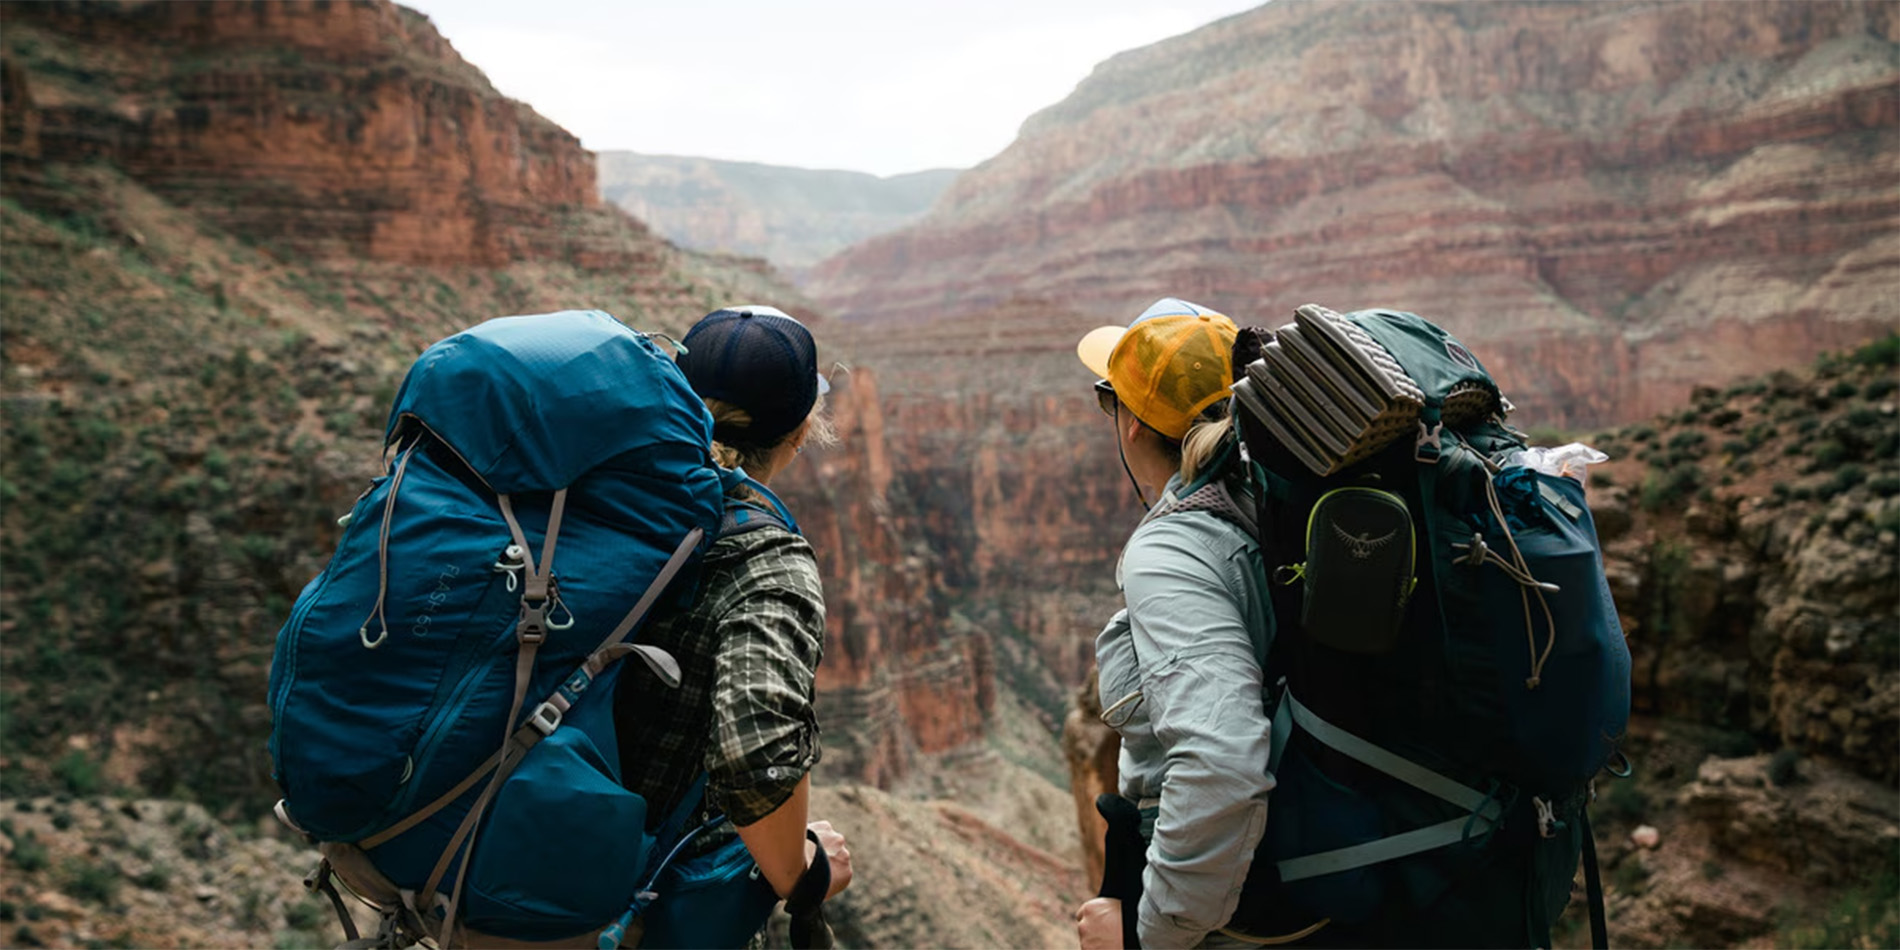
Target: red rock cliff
{"type": "Point", "coordinates": [1610, 201]}
{"type": "Point", "coordinates": [320, 128]}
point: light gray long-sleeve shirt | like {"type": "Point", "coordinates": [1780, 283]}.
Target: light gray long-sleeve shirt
{"type": "Point", "coordinates": [1190, 643]}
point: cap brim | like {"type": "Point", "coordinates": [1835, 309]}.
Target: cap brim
{"type": "Point", "coordinates": [1094, 349]}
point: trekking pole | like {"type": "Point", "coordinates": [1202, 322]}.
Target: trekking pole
{"type": "Point", "coordinates": [1124, 857]}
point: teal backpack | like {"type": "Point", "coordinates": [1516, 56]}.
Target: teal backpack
{"type": "Point", "coordinates": [1451, 671]}
{"type": "Point", "coordinates": [441, 695]}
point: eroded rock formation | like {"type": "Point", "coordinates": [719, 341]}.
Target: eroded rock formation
{"type": "Point", "coordinates": [1611, 202]}
{"type": "Point", "coordinates": [320, 129]}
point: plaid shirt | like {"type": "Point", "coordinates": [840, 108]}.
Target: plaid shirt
{"type": "Point", "coordinates": [748, 650]}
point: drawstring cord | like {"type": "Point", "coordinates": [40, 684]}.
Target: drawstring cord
{"type": "Point", "coordinates": [382, 557]}
{"type": "Point", "coordinates": [1517, 569]}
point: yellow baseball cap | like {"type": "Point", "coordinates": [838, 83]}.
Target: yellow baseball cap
{"type": "Point", "coordinates": [1174, 361]}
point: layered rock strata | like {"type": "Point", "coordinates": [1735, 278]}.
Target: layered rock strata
{"type": "Point", "coordinates": [334, 130]}
{"type": "Point", "coordinates": [1611, 202]}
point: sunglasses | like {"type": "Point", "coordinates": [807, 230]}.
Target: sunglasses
{"type": "Point", "coordinates": [1105, 397]}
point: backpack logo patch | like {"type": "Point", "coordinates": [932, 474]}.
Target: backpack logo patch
{"type": "Point", "coordinates": [1461, 356]}
{"type": "Point", "coordinates": [1362, 546]}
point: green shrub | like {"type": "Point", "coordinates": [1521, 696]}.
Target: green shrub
{"type": "Point", "coordinates": [1827, 453]}
{"type": "Point", "coordinates": [1843, 390]}
{"type": "Point", "coordinates": [78, 772]}
{"type": "Point", "coordinates": [1844, 478]}
{"type": "Point", "coordinates": [1883, 352]}
{"type": "Point", "coordinates": [1862, 917]}
{"type": "Point", "coordinates": [29, 854]}
{"type": "Point", "coordinates": [305, 914]}
{"type": "Point", "coordinates": [1688, 444]}
{"type": "Point", "coordinates": [1624, 801]}
{"type": "Point", "coordinates": [156, 878]}
{"type": "Point", "coordinates": [1642, 434]}
{"type": "Point", "coordinates": [97, 883]}
{"type": "Point", "coordinates": [1886, 486]}
{"type": "Point", "coordinates": [1665, 487]}
{"type": "Point", "coordinates": [1880, 387]}
{"type": "Point", "coordinates": [1784, 768]}
{"type": "Point", "coordinates": [1631, 877]}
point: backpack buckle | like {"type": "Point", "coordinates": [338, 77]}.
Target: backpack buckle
{"type": "Point", "coordinates": [545, 719]}
{"type": "Point", "coordinates": [1429, 446]}
{"type": "Point", "coordinates": [533, 626]}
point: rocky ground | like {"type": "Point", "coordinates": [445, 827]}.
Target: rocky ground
{"type": "Point", "coordinates": [1765, 850]}
{"type": "Point", "coordinates": [103, 871]}
{"type": "Point", "coordinates": [119, 872]}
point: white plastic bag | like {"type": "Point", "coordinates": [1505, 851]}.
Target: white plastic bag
{"type": "Point", "coordinates": [1569, 461]}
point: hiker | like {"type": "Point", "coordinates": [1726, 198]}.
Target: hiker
{"type": "Point", "coordinates": [1429, 752]}
{"type": "Point", "coordinates": [750, 644]}
{"type": "Point", "coordinates": [1189, 710]}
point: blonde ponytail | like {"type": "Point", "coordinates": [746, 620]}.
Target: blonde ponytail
{"type": "Point", "coordinates": [818, 431]}
{"type": "Point", "coordinates": [1201, 444]}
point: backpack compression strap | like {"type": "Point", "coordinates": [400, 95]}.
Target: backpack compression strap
{"type": "Point", "coordinates": [1482, 806]}
{"type": "Point", "coordinates": [546, 717]}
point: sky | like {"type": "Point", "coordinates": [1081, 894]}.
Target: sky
{"type": "Point", "coordinates": [881, 86]}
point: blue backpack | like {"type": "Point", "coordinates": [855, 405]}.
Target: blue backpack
{"type": "Point", "coordinates": [1452, 672]}
{"type": "Point", "coordinates": [441, 696]}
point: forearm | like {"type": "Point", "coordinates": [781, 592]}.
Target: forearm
{"type": "Point", "coordinates": [777, 841]}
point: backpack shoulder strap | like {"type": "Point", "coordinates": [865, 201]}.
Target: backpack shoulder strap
{"type": "Point", "coordinates": [762, 508]}
{"type": "Point", "coordinates": [742, 517]}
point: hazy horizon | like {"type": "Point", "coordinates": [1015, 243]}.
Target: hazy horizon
{"type": "Point", "coordinates": [833, 85]}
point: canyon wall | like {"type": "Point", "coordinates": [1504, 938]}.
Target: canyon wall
{"type": "Point", "coordinates": [792, 217]}
{"type": "Point", "coordinates": [229, 229]}
{"type": "Point", "coordinates": [1611, 202]}
{"type": "Point", "coordinates": [321, 129]}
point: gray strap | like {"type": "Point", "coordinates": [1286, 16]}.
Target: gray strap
{"type": "Point", "coordinates": [530, 630]}
{"type": "Point", "coordinates": [674, 565]}
{"type": "Point", "coordinates": [1450, 831]}
{"type": "Point", "coordinates": [1279, 731]}
{"type": "Point", "coordinates": [1398, 767]}
{"type": "Point", "coordinates": [659, 661]}
{"type": "Point", "coordinates": [524, 666]}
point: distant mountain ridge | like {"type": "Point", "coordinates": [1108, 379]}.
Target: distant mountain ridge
{"type": "Point", "coordinates": [792, 217]}
{"type": "Point", "coordinates": [1613, 201]}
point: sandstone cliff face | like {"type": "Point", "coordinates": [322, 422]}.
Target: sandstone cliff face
{"type": "Point", "coordinates": [897, 680]}
{"type": "Point", "coordinates": [793, 217]}
{"type": "Point", "coordinates": [1610, 202]}
{"type": "Point", "coordinates": [333, 130]}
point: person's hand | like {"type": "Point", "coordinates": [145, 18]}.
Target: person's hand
{"type": "Point", "coordinates": [1099, 924]}
{"type": "Point", "coordinates": [836, 853]}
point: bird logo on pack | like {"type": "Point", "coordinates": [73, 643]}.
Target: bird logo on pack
{"type": "Point", "coordinates": [1361, 546]}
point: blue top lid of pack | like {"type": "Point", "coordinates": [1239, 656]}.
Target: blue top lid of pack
{"type": "Point", "coordinates": [534, 402]}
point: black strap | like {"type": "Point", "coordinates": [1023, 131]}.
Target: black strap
{"type": "Point", "coordinates": [1593, 886]}
{"type": "Point", "coordinates": [320, 881]}
{"type": "Point", "coordinates": [806, 903]}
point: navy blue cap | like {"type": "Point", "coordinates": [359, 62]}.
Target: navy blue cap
{"type": "Point", "coordinates": [760, 360]}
